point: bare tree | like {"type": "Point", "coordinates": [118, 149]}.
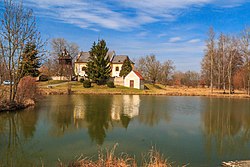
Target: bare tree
{"type": "Point", "coordinates": [150, 68]}
{"type": "Point", "coordinates": [234, 60]}
{"type": "Point", "coordinates": [167, 69]}
{"type": "Point", "coordinates": [245, 50]}
{"type": "Point", "coordinates": [58, 46]}
{"type": "Point", "coordinates": [18, 27]}
{"type": "Point", "coordinates": [190, 78]}
{"type": "Point", "coordinates": [211, 54]}
{"type": "Point", "coordinates": [222, 61]}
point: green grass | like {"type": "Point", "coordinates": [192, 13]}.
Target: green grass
{"type": "Point", "coordinates": [50, 82]}
{"type": "Point", "coordinates": [77, 87]}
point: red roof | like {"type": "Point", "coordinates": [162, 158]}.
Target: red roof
{"type": "Point", "coordinates": [138, 74]}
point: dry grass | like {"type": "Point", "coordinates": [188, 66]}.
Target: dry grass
{"type": "Point", "coordinates": [157, 89]}
{"type": "Point", "coordinates": [109, 159]}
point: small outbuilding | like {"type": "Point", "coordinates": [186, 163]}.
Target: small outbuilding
{"type": "Point", "coordinates": [134, 80]}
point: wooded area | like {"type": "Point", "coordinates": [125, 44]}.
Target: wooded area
{"type": "Point", "coordinates": [226, 61]}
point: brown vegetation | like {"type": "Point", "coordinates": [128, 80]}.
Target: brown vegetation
{"type": "Point", "coordinates": [26, 96]}
{"type": "Point", "coordinates": [152, 159]}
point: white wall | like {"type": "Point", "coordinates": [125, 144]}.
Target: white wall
{"type": "Point", "coordinates": [114, 72]}
{"type": "Point", "coordinates": [132, 76]}
{"type": "Point", "coordinates": [78, 69]}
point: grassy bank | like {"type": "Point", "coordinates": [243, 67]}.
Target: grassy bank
{"type": "Point", "coordinates": [157, 89]}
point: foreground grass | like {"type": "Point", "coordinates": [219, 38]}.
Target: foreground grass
{"type": "Point", "coordinates": [157, 89]}
{"type": "Point", "coordinates": [109, 159]}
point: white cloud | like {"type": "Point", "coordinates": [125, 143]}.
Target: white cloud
{"type": "Point", "coordinates": [162, 35]}
{"type": "Point", "coordinates": [111, 14]}
{"type": "Point", "coordinates": [194, 41]}
{"type": "Point", "coordinates": [174, 39]}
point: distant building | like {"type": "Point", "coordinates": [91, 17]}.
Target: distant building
{"type": "Point", "coordinates": [134, 80]}
{"type": "Point", "coordinates": [65, 66]}
{"type": "Point", "coordinates": [116, 62]}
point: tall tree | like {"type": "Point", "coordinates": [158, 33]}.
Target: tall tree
{"type": "Point", "coordinates": [210, 44]}
{"type": "Point", "coordinates": [126, 68]}
{"type": "Point", "coordinates": [234, 60]}
{"type": "Point", "coordinates": [222, 61]}
{"type": "Point", "coordinates": [245, 50]}
{"type": "Point", "coordinates": [30, 61]}
{"type": "Point", "coordinates": [18, 27]}
{"type": "Point", "coordinates": [98, 67]}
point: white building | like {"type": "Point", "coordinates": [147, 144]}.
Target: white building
{"type": "Point", "coordinates": [134, 80]}
{"type": "Point", "coordinates": [116, 62]}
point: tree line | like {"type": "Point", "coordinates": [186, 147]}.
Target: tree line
{"type": "Point", "coordinates": [226, 63]}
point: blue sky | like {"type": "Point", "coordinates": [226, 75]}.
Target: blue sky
{"type": "Point", "coordinates": [170, 29]}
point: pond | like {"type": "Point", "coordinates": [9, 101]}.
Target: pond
{"type": "Point", "coordinates": [199, 131]}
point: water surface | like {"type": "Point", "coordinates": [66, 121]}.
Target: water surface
{"type": "Point", "coordinates": [200, 131]}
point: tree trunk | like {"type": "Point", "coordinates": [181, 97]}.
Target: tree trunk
{"type": "Point", "coordinates": [211, 75]}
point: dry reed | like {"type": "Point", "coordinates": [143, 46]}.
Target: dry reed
{"type": "Point", "coordinates": [152, 159]}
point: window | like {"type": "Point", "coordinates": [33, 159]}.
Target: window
{"type": "Point", "coordinates": [117, 69]}
{"type": "Point", "coordinates": [83, 68]}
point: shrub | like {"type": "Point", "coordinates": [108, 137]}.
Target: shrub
{"type": "Point", "coordinates": [81, 80]}
{"type": "Point", "coordinates": [27, 89]}
{"type": "Point", "coordinates": [86, 84]}
{"type": "Point", "coordinates": [110, 84]}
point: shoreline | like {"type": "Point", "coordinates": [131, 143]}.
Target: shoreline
{"type": "Point", "coordinates": [51, 91]}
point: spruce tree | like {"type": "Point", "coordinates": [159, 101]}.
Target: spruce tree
{"type": "Point", "coordinates": [98, 67]}
{"type": "Point", "coordinates": [30, 61]}
{"type": "Point", "coordinates": [126, 68]}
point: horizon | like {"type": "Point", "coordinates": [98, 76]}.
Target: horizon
{"type": "Point", "coordinates": [171, 30]}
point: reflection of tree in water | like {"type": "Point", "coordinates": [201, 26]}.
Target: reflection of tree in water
{"type": "Point", "coordinates": [125, 120]}
{"type": "Point", "coordinates": [98, 116]}
{"type": "Point", "coordinates": [28, 122]}
{"type": "Point", "coordinates": [62, 117]}
{"type": "Point", "coordinates": [62, 112]}
{"type": "Point", "coordinates": [153, 109]}
{"type": "Point", "coordinates": [12, 127]}
{"type": "Point", "coordinates": [226, 124]}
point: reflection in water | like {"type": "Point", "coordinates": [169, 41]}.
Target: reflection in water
{"type": "Point", "coordinates": [98, 117]}
{"type": "Point", "coordinates": [71, 125]}
{"type": "Point", "coordinates": [126, 106]}
{"type": "Point", "coordinates": [153, 109]}
{"type": "Point", "coordinates": [226, 125]}
{"type": "Point", "coordinates": [15, 130]}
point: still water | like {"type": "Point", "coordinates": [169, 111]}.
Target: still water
{"type": "Point", "coordinates": [200, 131]}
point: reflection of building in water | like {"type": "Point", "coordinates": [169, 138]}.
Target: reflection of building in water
{"type": "Point", "coordinates": [116, 110]}
{"type": "Point", "coordinates": [131, 104]}
{"type": "Point", "coordinates": [127, 105]}
{"type": "Point", "coordinates": [79, 114]}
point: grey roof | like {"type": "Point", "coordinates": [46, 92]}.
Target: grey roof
{"type": "Point", "coordinates": [83, 57]}
{"type": "Point", "coordinates": [119, 59]}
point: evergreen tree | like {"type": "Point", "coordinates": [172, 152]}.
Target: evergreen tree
{"type": "Point", "coordinates": [126, 68]}
{"type": "Point", "coordinates": [30, 61]}
{"type": "Point", "coordinates": [98, 67]}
